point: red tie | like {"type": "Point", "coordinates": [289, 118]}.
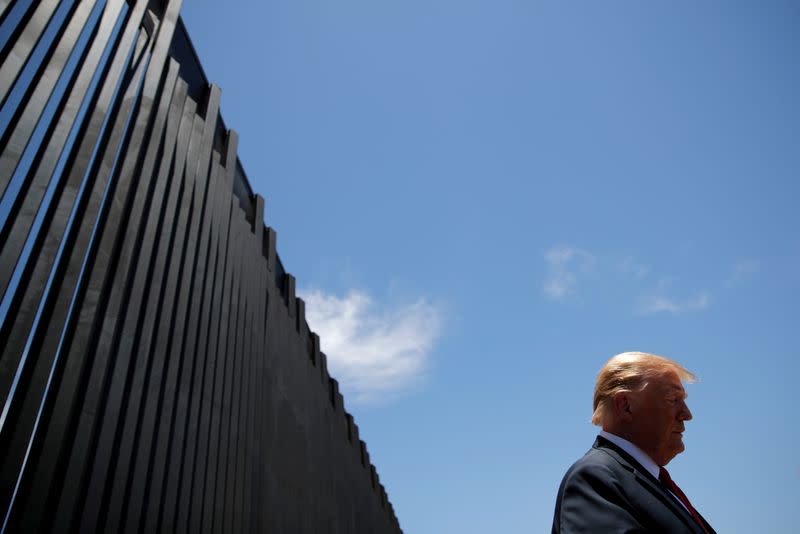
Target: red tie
{"type": "Point", "coordinates": [663, 476]}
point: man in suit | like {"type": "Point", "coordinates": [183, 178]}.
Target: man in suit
{"type": "Point", "coordinates": [621, 484]}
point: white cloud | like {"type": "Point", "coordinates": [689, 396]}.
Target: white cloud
{"type": "Point", "coordinates": [653, 304]}
{"type": "Point", "coordinates": [372, 353]}
{"type": "Point", "coordinates": [564, 266]}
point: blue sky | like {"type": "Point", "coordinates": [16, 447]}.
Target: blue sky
{"type": "Point", "coordinates": [483, 201]}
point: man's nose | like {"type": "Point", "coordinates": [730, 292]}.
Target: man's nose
{"type": "Point", "coordinates": [686, 413]}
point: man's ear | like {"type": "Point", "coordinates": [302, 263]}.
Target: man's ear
{"type": "Point", "coordinates": [622, 406]}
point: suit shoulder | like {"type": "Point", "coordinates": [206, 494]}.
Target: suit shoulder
{"type": "Point", "coordinates": [595, 463]}
{"type": "Point", "coordinates": [593, 497]}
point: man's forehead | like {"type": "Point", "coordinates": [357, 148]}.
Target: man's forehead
{"type": "Point", "coordinates": [671, 382]}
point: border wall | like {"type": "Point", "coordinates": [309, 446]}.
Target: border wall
{"type": "Point", "coordinates": [157, 373]}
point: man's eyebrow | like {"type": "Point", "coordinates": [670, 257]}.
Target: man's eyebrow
{"type": "Point", "coordinates": [679, 390]}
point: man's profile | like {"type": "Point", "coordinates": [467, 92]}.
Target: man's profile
{"type": "Point", "coordinates": [621, 484]}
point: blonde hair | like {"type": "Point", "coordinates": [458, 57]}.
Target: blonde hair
{"type": "Point", "coordinates": [630, 371]}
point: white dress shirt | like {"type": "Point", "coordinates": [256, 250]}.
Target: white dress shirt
{"type": "Point", "coordinates": [639, 455]}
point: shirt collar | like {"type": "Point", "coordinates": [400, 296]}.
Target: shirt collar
{"type": "Point", "coordinates": [638, 454]}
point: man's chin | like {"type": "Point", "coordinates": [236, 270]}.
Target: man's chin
{"type": "Point", "coordinates": [676, 448]}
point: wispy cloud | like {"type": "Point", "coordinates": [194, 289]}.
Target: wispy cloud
{"type": "Point", "coordinates": [373, 353]}
{"type": "Point", "coordinates": [571, 271]}
{"type": "Point", "coordinates": [629, 266]}
{"type": "Point", "coordinates": [741, 270]}
{"type": "Point", "coordinates": [565, 265]}
{"type": "Point", "coordinates": [652, 304]}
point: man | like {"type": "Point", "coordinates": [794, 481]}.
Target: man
{"type": "Point", "coordinates": [621, 485]}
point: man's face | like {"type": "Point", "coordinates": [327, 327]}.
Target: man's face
{"type": "Point", "coordinates": [659, 411]}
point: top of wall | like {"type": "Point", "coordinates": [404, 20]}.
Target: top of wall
{"type": "Point", "coordinates": [191, 71]}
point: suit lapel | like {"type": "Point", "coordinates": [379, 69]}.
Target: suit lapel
{"type": "Point", "coordinates": [709, 528]}
{"type": "Point", "coordinates": [648, 481]}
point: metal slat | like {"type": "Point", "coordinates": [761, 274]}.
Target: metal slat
{"type": "Point", "coordinates": [222, 324]}
{"type": "Point", "coordinates": [130, 248]}
{"type": "Point", "coordinates": [27, 116]}
{"type": "Point", "coordinates": [111, 247]}
{"type": "Point", "coordinates": [144, 404]}
{"type": "Point", "coordinates": [104, 392]}
{"type": "Point", "coordinates": [233, 447]}
{"type": "Point", "coordinates": [231, 439]}
{"type": "Point", "coordinates": [228, 348]}
{"type": "Point", "coordinates": [205, 347]}
{"type": "Point", "coordinates": [105, 466]}
{"type": "Point", "coordinates": [23, 308]}
{"type": "Point", "coordinates": [176, 495]}
{"type": "Point", "coordinates": [23, 14]}
{"type": "Point", "coordinates": [17, 447]}
{"type": "Point", "coordinates": [209, 350]}
{"type": "Point", "coordinates": [248, 307]}
{"type": "Point", "coordinates": [70, 394]}
{"type": "Point", "coordinates": [170, 254]}
{"type": "Point", "coordinates": [253, 513]}
{"type": "Point", "coordinates": [256, 278]}
{"type": "Point", "coordinates": [24, 208]}
{"type": "Point", "coordinates": [91, 382]}
{"type": "Point", "coordinates": [177, 430]}
{"type": "Point", "coordinates": [258, 386]}
{"type": "Point", "coordinates": [196, 332]}
{"type": "Point", "coordinates": [24, 46]}
{"type": "Point", "coordinates": [239, 408]}
{"type": "Point", "coordinates": [193, 332]}
{"type": "Point", "coordinates": [231, 354]}
{"type": "Point", "coordinates": [219, 244]}
{"type": "Point", "coordinates": [218, 350]}
{"type": "Point", "coordinates": [19, 226]}
{"type": "Point", "coordinates": [4, 7]}
{"type": "Point", "coordinates": [129, 522]}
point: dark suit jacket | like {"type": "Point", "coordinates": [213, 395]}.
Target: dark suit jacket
{"type": "Point", "coordinates": [608, 491]}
